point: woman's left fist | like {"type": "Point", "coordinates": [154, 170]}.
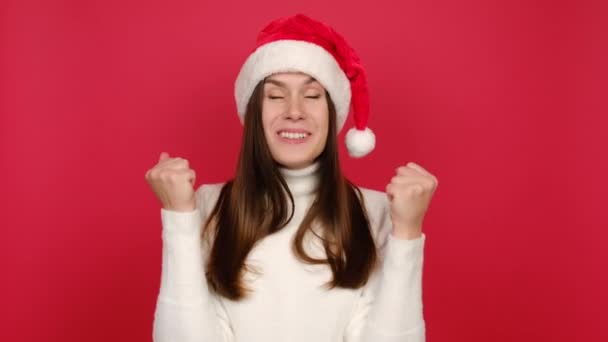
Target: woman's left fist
{"type": "Point", "coordinates": [410, 192]}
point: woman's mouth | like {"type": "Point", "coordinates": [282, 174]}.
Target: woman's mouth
{"type": "Point", "coordinates": [294, 137]}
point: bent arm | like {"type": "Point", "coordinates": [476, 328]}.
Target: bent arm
{"type": "Point", "coordinates": [186, 311]}
{"type": "Point", "coordinates": [390, 307]}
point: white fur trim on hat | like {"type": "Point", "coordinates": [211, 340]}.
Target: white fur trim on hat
{"type": "Point", "coordinates": [360, 142]}
{"type": "Point", "coordinates": [294, 55]}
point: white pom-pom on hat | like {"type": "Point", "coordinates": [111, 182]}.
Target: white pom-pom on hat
{"type": "Point", "coordinates": [360, 142]}
{"type": "Point", "coordinates": [299, 43]}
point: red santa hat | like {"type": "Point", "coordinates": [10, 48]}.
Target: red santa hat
{"type": "Point", "coordinates": [299, 43]}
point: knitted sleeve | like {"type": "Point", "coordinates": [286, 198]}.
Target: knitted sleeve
{"type": "Point", "coordinates": [186, 311]}
{"type": "Point", "coordinates": [390, 308]}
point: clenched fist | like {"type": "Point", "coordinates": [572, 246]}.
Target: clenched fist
{"type": "Point", "coordinates": [172, 181]}
{"type": "Point", "coordinates": [410, 192]}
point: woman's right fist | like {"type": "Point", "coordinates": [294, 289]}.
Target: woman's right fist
{"type": "Point", "coordinates": [172, 181]}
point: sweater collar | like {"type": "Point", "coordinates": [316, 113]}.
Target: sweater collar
{"type": "Point", "coordinates": [302, 181]}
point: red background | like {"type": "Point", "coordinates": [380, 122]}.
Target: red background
{"type": "Point", "coordinates": [501, 100]}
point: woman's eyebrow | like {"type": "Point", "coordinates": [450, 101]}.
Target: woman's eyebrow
{"type": "Point", "coordinates": [282, 84]}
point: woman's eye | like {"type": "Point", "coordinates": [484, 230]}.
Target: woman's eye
{"type": "Point", "coordinates": [313, 97]}
{"type": "Point", "coordinates": [274, 97]}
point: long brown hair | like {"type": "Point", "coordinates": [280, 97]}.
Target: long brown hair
{"type": "Point", "coordinates": [257, 203]}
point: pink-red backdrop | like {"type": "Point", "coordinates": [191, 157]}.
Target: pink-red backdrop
{"type": "Point", "coordinates": [501, 100]}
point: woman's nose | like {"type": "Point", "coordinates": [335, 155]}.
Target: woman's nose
{"type": "Point", "coordinates": [294, 110]}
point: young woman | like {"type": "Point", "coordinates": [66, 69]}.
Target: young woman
{"type": "Point", "coordinates": [289, 249]}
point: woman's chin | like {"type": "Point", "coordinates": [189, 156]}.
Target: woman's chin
{"type": "Point", "coordinates": [291, 163]}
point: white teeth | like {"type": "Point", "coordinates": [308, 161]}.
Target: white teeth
{"type": "Point", "coordinates": [290, 135]}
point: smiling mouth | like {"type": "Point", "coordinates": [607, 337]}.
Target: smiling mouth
{"type": "Point", "coordinates": [300, 135]}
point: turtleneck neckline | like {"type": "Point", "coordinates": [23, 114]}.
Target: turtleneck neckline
{"type": "Point", "coordinates": [302, 181]}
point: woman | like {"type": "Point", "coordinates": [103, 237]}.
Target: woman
{"type": "Point", "coordinates": [290, 250]}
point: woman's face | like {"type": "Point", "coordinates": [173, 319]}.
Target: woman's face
{"type": "Point", "coordinates": [295, 116]}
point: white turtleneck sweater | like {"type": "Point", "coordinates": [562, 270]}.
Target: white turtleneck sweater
{"type": "Point", "coordinates": [288, 302]}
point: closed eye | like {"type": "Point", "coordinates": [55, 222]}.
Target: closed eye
{"type": "Point", "coordinates": [313, 97]}
{"type": "Point", "coordinates": [275, 97]}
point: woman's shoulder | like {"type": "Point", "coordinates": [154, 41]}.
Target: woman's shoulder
{"type": "Point", "coordinates": [206, 196]}
{"type": "Point", "coordinates": [374, 200]}
{"type": "Point", "coordinates": [209, 189]}
{"type": "Point", "coordinates": [377, 207]}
